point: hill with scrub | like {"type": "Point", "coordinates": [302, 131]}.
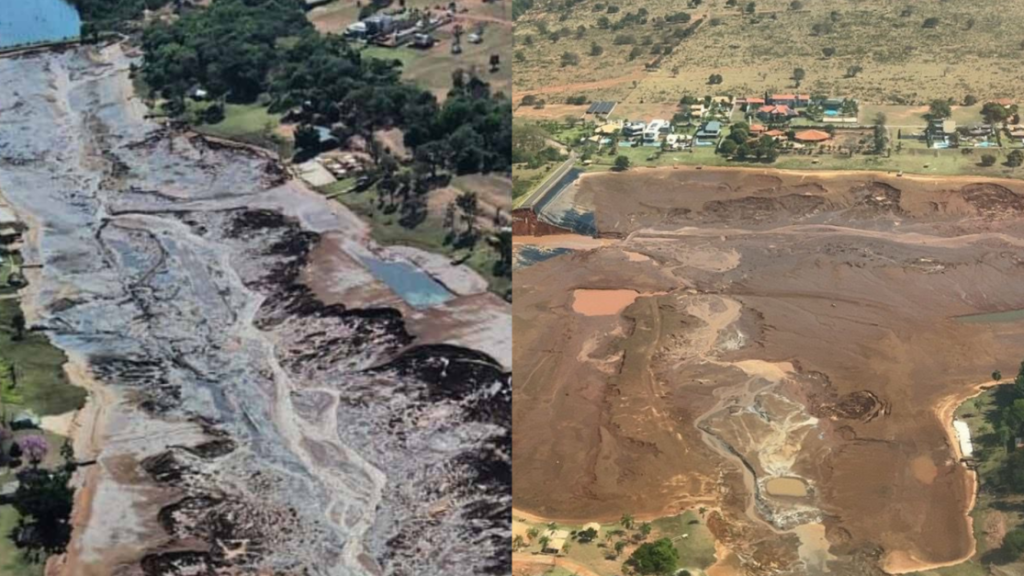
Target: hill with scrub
{"type": "Point", "coordinates": [899, 52]}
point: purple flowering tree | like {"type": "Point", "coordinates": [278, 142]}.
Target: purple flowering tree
{"type": "Point", "coordinates": [34, 447]}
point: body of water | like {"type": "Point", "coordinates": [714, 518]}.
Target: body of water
{"type": "Point", "coordinates": [414, 285]}
{"type": "Point", "coordinates": [37, 21]}
{"type": "Point", "coordinates": [989, 317]}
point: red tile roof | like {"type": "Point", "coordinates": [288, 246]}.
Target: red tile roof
{"type": "Point", "coordinates": [811, 136]}
{"type": "Point", "coordinates": [757, 128]}
{"type": "Point", "coordinates": [754, 100]}
{"type": "Point", "coordinates": [775, 133]}
{"type": "Point", "coordinates": [1004, 101]}
{"type": "Point", "coordinates": [780, 109]}
{"type": "Point", "coordinates": [783, 97]}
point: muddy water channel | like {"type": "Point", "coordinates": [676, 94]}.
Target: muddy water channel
{"type": "Point", "coordinates": [240, 424]}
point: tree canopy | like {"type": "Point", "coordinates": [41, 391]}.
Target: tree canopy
{"type": "Point", "coordinates": [659, 557]}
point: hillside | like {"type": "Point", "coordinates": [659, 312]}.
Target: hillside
{"type": "Point", "coordinates": [907, 52]}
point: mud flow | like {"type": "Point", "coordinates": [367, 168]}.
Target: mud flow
{"type": "Point", "coordinates": [779, 349]}
{"type": "Point", "coordinates": [243, 421]}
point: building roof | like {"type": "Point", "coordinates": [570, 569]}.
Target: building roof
{"type": "Point", "coordinates": [783, 96]}
{"type": "Point", "coordinates": [780, 109]}
{"type": "Point", "coordinates": [775, 133]}
{"type": "Point", "coordinates": [713, 126]}
{"type": "Point", "coordinates": [555, 544]}
{"type": "Point", "coordinates": [757, 128]}
{"type": "Point", "coordinates": [1004, 101]}
{"type": "Point", "coordinates": [754, 100]}
{"type": "Point", "coordinates": [811, 136]}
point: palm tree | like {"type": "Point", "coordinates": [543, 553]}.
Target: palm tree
{"type": "Point", "coordinates": [518, 542]}
{"type": "Point", "coordinates": [626, 521]}
{"type": "Point", "coordinates": [544, 542]}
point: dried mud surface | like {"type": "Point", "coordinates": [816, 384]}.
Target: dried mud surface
{"type": "Point", "coordinates": [241, 422]}
{"type": "Point", "coordinates": [798, 326]}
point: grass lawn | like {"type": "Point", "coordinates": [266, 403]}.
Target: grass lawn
{"type": "Point", "coordinates": [42, 385]}
{"type": "Point", "coordinates": [249, 123]}
{"type": "Point", "coordinates": [10, 263]}
{"type": "Point", "coordinates": [691, 537]}
{"type": "Point", "coordinates": [11, 561]}
{"type": "Point", "coordinates": [407, 56]}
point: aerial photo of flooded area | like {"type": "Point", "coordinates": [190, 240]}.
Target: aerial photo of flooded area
{"type": "Point", "coordinates": [768, 317]}
{"type": "Point", "coordinates": [243, 332]}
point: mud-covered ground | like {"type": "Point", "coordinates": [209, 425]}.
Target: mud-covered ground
{"type": "Point", "coordinates": [242, 421]}
{"type": "Point", "coordinates": [784, 363]}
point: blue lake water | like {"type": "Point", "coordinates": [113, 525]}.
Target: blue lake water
{"type": "Point", "coordinates": [36, 21]}
{"type": "Point", "coordinates": [414, 285]}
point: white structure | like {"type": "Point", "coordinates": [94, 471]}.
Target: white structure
{"type": "Point", "coordinates": [963, 435]}
{"type": "Point", "coordinates": [654, 130]}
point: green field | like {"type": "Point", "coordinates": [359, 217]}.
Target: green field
{"type": "Point", "coordinates": [41, 387]}
{"type": "Point", "coordinates": [249, 123]}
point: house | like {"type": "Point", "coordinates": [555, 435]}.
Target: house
{"type": "Point", "coordinates": [555, 541]}
{"type": "Point", "coordinates": [775, 134]}
{"type": "Point", "coordinates": [631, 129]}
{"type": "Point", "coordinates": [776, 113]}
{"type": "Point", "coordinates": [790, 100]}
{"type": "Point", "coordinates": [942, 127]}
{"type": "Point", "coordinates": [811, 136]}
{"type": "Point", "coordinates": [609, 128]}
{"type": "Point", "coordinates": [757, 129]}
{"type": "Point", "coordinates": [652, 133]}
{"type": "Point", "coordinates": [1006, 102]}
{"type": "Point", "coordinates": [327, 140]}
{"type": "Point", "coordinates": [750, 104]}
{"type": "Point", "coordinates": [709, 133]}
{"type": "Point", "coordinates": [832, 104]}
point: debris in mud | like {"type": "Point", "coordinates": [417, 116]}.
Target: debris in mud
{"type": "Point", "coordinates": [878, 197]}
{"type": "Point", "coordinates": [993, 199]}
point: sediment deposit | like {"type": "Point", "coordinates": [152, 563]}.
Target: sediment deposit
{"type": "Point", "coordinates": [249, 416]}
{"type": "Point", "coordinates": [786, 368]}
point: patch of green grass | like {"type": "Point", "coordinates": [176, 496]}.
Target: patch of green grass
{"type": "Point", "coordinates": [429, 235]}
{"type": "Point", "coordinates": [11, 561]}
{"type": "Point", "coordinates": [11, 263]}
{"type": "Point", "coordinates": [407, 56]}
{"type": "Point", "coordinates": [41, 383]}
{"type": "Point", "coordinates": [691, 537]}
{"type": "Point", "coordinates": [249, 123]}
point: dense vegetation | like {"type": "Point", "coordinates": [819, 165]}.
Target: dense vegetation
{"type": "Point", "coordinates": [111, 13]}
{"type": "Point", "coordinates": [229, 49]}
{"type": "Point", "coordinates": [239, 50]}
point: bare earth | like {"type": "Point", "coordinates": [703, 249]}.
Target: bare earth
{"type": "Point", "coordinates": [787, 330]}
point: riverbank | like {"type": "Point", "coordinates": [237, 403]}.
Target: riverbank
{"type": "Point", "coordinates": [35, 378]}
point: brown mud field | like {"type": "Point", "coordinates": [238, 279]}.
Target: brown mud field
{"type": "Point", "coordinates": [791, 330]}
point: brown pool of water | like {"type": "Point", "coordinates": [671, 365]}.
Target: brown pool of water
{"type": "Point", "coordinates": [603, 302]}
{"type": "Point", "coordinates": [786, 486]}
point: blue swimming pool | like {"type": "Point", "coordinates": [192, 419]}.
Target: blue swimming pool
{"type": "Point", "coordinates": [831, 112]}
{"type": "Point", "coordinates": [413, 285]}
{"type": "Point", "coordinates": [37, 21]}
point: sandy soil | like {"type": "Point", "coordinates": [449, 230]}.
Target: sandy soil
{"type": "Point", "coordinates": [808, 330]}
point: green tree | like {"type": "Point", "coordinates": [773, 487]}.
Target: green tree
{"type": "Point", "coordinates": [18, 325]}
{"type": "Point", "coordinates": [799, 74]}
{"type": "Point", "coordinates": [645, 529]}
{"type": "Point", "coordinates": [622, 163]}
{"type": "Point", "coordinates": [997, 375]}
{"type": "Point", "coordinates": [627, 519]}
{"type": "Point", "coordinates": [727, 147]}
{"type": "Point", "coordinates": [659, 557]}
{"type": "Point", "coordinates": [307, 138]}
{"type": "Point", "coordinates": [570, 59]}
{"type": "Point", "coordinates": [1013, 543]}
{"type": "Point", "coordinates": [988, 159]}
{"type": "Point", "coordinates": [939, 109]}
{"type": "Point", "coordinates": [751, 8]}
{"type": "Point", "coordinates": [544, 541]}
{"type": "Point", "coordinates": [1015, 158]}
{"type": "Point", "coordinates": [596, 49]}
{"type": "Point", "coordinates": [619, 547]}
